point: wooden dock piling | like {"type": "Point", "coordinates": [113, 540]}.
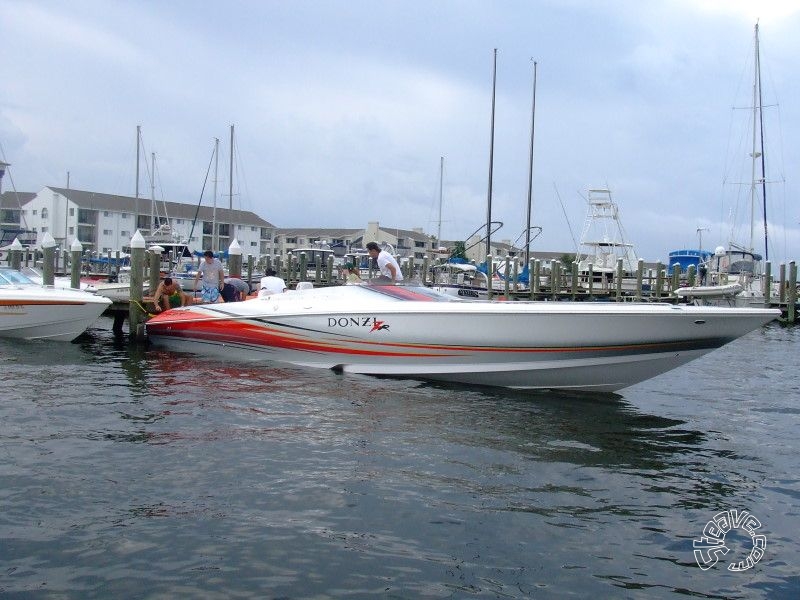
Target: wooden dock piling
{"type": "Point", "coordinates": [48, 262]}
{"type": "Point", "coordinates": [235, 259]}
{"type": "Point", "coordinates": [76, 249]}
{"type": "Point", "coordinates": [135, 312]}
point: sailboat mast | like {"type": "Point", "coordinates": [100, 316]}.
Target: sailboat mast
{"type": "Point", "coordinates": [753, 153]}
{"type": "Point", "coordinates": [491, 167]}
{"type": "Point", "coordinates": [152, 192]}
{"type": "Point", "coordinates": [441, 179]}
{"type": "Point", "coordinates": [214, 235]}
{"type": "Point", "coordinates": [530, 172]}
{"type": "Point", "coordinates": [136, 204]}
{"type": "Point", "coordinates": [761, 137]}
{"type": "Point", "coordinates": [230, 193]}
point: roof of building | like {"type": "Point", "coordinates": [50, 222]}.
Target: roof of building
{"type": "Point", "coordinates": [15, 199]}
{"type": "Point", "coordinates": [407, 233]}
{"type": "Point", "coordinates": [318, 233]}
{"type": "Point", "coordinates": [179, 210]}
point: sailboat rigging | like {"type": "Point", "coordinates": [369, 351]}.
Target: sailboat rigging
{"type": "Point", "coordinates": [530, 172]}
{"type": "Point", "coordinates": [491, 167]}
{"type": "Point", "coordinates": [739, 267]}
{"type": "Point", "coordinates": [758, 112]}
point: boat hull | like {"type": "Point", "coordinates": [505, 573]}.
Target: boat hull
{"type": "Point", "coordinates": [588, 346]}
{"type": "Point", "coordinates": [39, 314]}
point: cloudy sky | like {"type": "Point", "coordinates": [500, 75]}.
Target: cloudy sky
{"type": "Point", "coordinates": [343, 108]}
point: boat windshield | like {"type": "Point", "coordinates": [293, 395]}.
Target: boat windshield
{"type": "Point", "coordinates": [13, 277]}
{"type": "Point", "coordinates": [414, 293]}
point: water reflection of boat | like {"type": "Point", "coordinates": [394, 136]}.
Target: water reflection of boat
{"type": "Point", "coordinates": [30, 311]}
{"type": "Point", "coordinates": [416, 332]}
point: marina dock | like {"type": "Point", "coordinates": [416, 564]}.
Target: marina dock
{"type": "Point", "coordinates": [555, 283]}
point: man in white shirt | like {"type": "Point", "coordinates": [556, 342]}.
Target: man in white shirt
{"type": "Point", "coordinates": [387, 265]}
{"type": "Point", "coordinates": [271, 284]}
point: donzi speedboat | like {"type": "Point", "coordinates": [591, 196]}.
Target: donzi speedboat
{"type": "Point", "coordinates": [417, 332]}
{"type": "Point", "coordinates": [31, 311]}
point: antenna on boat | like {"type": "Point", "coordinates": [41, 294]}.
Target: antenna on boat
{"type": "Point", "coordinates": [530, 171]}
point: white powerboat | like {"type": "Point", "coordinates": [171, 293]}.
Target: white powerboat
{"type": "Point", "coordinates": [30, 311]}
{"type": "Point", "coordinates": [417, 332]}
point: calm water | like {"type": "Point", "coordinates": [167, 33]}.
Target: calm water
{"type": "Point", "coordinates": [136, 473]}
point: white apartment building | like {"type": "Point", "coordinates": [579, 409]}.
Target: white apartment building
{"type": "Point", "coordinates": [106, 222]}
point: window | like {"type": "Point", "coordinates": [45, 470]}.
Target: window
{"type": "Point", "coordinates": [125, 234]}
{"type": "Point", "coordinates": [44, 229]}
{"type": "Point", "coordinates": [44, 213]}
{"type": "Point", "coordinates": [179, 221]}
{"type": "Point", "coordinates": [252, 229]}
{"type": "Point", "coordinates": [71, 212]}
{"type": "Point", "coordinates": [124, 215]}
{"type": "Point", "coordinates": [71, 231]}
{"type": "Point", "coordinates": [105, 213]}
{"type": "Point", "coordinates": [254, 243]}
{"type": "Point", "coordinates": [106, 232]}
{"type": "Point", "coordinates": [34, 211]}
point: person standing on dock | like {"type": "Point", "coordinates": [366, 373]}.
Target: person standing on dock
{"type": "Point", "coordinates": [213, 278]}
{"type": "Point", "coordinates": [387, 264]}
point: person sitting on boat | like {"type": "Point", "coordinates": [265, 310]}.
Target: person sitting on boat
{"type": "Point", "coordinates": [240, 289]}
{"type": "Point", "coordinates": [271, 284]}
{"type": "Point", "coordinates": [213, 277]}
{"type": "Point", "coordinates": [169, 295]}
{"type": "Point", "coordinates": [350, 274]}
{"type": "Point", "coordinates": [387, 265]}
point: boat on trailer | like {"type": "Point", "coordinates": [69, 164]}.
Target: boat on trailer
{"type": "Point", "coordinates": [409, 331]}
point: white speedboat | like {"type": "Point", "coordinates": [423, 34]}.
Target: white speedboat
{"type": "Point", "coordinates": [417, 332]}
{"type": "Point", "coordinates": [31, 311]}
